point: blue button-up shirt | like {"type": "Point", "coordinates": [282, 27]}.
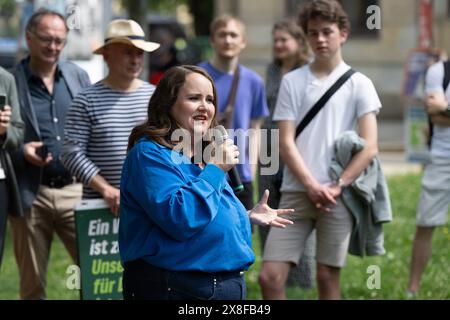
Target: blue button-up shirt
{"type": "Point", "coordinates": [178, 216]}
{"type": "Point", "coordinates": [51, 110]}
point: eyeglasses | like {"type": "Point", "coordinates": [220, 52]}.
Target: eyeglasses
{"type": "Point", "coordinates": [49, 40]}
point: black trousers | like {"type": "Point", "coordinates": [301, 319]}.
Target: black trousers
{"type": "Point", "coordinates": [4, 201]}
{"type": "Point", "coordinates": [142, 281]}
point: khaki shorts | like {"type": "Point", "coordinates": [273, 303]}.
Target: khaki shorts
{"type": "Point", "coordinates": [333, 232]}
{"type": "Point", "coordinates": [434, 200]}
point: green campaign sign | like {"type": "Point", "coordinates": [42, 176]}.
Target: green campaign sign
{"type": "Point", "coordinates": [98, 251]}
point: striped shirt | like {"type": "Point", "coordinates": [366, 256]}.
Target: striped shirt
{"type": "Point", "coordinates": [98, 125]}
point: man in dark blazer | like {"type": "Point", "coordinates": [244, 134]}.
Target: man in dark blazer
{"type": "Point", "coordinates": [11, 136]}
{"type": "Point", "coordinates": [46, 87]}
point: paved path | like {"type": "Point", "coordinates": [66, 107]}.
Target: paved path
{"type": "Point", "coordinates": [392, 156]}
{"type": "Point", "coordinates": [394, 163]}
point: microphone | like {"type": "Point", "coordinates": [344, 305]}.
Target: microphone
{"type": "Point", "coordinates": [233, 174]}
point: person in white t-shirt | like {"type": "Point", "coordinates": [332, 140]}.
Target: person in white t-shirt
{"type": "Point", "coordinates": [307, 186]}
{"type": "Point", "coordinates": [432, 210]}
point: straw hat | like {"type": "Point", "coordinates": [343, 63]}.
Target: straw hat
{"type": "Point", "coordinates": [128, 32]}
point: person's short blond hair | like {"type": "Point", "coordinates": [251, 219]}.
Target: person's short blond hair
{"type": "Point", "coordinates": [222, 20]}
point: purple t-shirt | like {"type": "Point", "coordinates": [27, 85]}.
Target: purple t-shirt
{"type": "Point", "coordinates": [250, 104]}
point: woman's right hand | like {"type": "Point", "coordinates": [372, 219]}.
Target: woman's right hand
{"type": "Point", "coordinates": [225, 155]}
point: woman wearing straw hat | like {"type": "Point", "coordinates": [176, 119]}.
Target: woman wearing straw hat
{"type": "Point", "coordinates": [101, 117]}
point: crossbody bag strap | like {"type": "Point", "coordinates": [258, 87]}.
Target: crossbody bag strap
{"type": "Point", "coordinates": [226, 117]}
{"type": "Point", "coordinates": [322, 101]}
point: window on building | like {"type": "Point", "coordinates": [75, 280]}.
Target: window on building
{"type": "Point", "coordinates": [357, 12]}
{"type": "Point", "coordinates": [293, 6]}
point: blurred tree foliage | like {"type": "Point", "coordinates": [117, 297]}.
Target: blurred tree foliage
{"type": "Point", "coordinates": [201, 10]}
{"type": "Point", "coordinates": [7, 8]}
{"type": "Point", "coordinates": [162, 6]}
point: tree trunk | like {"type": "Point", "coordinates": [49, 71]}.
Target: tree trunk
{"type": "Point", "coordinates": [137, 10]}
{"type": "Point", "coordinates": [203, 15]}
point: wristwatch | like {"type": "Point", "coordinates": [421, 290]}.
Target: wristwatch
{"type": "Point", "coordinates": [340, 183]}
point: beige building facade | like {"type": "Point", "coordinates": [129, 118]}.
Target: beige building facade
{"type": "Point", "coordinates": [378, 53]}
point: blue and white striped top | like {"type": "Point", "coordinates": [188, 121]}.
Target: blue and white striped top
{"type": "Point", "coordinates": [98, 125]}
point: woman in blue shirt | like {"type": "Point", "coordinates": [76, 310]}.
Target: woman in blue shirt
{"type": "Point", "coordinates": [183, 233]}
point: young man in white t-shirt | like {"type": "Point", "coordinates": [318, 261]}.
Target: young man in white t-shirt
{"type": "Point", "coordinates": [434, 201]}
{"type": "Point", "coordinates": [307, 186]}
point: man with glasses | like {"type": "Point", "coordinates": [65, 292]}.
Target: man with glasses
{"type": "Point", "coordinates": [47, 41]}
{"type": "Point", "coordinates": [46, 87]}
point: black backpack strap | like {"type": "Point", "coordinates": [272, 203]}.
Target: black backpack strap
{"type": "Point", "coordinates": [445, 83]}
{"type": "Point", "coordinates": [322, 101]}
{"type": "Point", "coordinates": [446, 80]}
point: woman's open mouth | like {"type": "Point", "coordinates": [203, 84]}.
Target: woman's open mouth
{"type": "Point", "coordinates": [200, 118]}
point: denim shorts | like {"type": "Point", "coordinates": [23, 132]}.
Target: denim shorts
{"type": "Point", "coordinates": [142, 281]}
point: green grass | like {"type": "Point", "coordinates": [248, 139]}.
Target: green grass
{"type": "Point", "coordinates": [394, 265]}
{"type": "Point", "coordinates": [56, 276]}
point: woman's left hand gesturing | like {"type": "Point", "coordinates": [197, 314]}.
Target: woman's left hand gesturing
{"type": "Point", "coordinates": [264, 215]}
